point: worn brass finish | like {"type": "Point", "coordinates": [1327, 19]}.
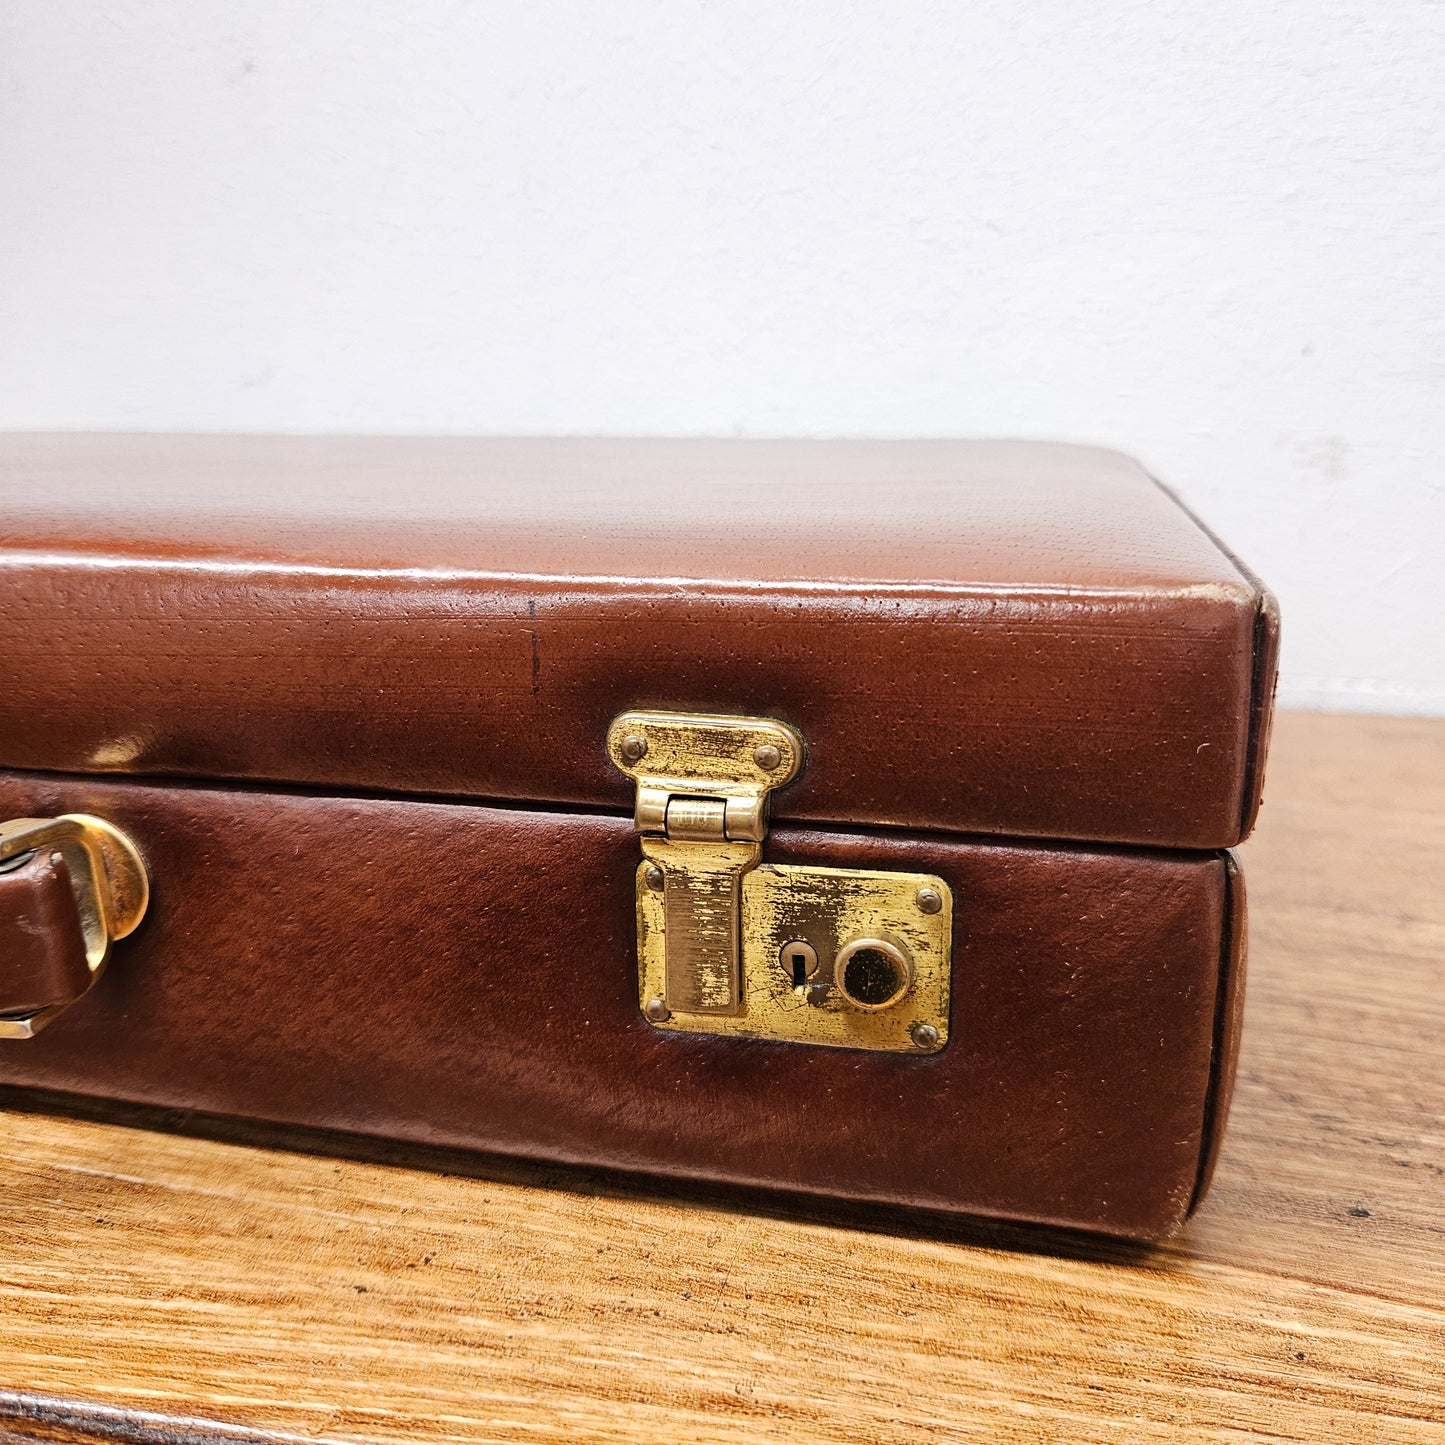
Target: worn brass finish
{"type": "Point", "coordinates": [698, 756]}
{"type": "Point", "coordinates": [731, 945]}
{"type": "Point", "coordinates": [702, 797]}
{"type": "Point", "coordinates": [829, 908]}
{"type": "Point", "coordinates": [872, 974]}
{"type": "Point", "coordinates": [107, 877]}
{"type": "Point", "coordinates": [700, 898]}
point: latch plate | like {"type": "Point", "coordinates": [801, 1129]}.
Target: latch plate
{"type": "Point", "coordinates": [728, 944]}
{"type": "Point", "coordinates": [826, 908]}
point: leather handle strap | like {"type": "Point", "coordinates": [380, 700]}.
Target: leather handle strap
{"type": "Point", "coordinates": [69, 887]}
{"type": "Point", "coordinates": [43, 960]}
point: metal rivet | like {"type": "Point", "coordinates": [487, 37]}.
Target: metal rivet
{"type": "Point", "coordinates": [930, 900]}
{"type": "Point", "coordinates": [634, 747]}
{"type": "Point", "coordinates": [657, 1011]}
{"type": "Point", "coordinates": [654, 878]}
{"type": "Point", "coordinates": [767, 756]}
{"type": "Point", "coordinates": [925, 1036]}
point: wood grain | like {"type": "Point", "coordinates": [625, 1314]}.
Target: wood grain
{"type": "Point", "coordinates": [168, 1287]}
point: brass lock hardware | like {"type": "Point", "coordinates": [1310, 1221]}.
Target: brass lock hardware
{"type": "Point", "coordinates": [729, 944]}
{"type": "Point", "coordinates": [107, 878]}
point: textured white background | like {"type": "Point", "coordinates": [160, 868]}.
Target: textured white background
{"type": "Point", "coordinates": [1210, 234]}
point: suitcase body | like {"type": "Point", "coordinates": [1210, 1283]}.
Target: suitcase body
{"type": "Point", "coordinates": [850, 818]}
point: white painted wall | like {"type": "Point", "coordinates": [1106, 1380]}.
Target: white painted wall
{"type": "Point", "coordinates": [1212, 234]}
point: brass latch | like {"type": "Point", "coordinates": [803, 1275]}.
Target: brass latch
{"type": "Point", "coordinates": [110, 889]}
{"type": "Point", "coordinates": [842, 957]}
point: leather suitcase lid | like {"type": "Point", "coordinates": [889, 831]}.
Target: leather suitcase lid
{"type": "Point", "coordinates": [1016, 638]}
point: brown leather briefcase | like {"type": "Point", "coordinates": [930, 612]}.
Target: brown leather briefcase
{"type": "Point", "coordinates": [841, 817]}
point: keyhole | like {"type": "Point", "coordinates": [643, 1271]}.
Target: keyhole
{"type": "Point", "coordinates": [799, 960]}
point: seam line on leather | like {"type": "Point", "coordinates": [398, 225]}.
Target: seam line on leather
{"type": "Point", "coordinates": [1223, 1001]}
{"type": "Point", "coordinates": [782, 826]}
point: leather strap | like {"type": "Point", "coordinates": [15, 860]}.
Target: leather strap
{"type": "Point", "coordinates": [42, 951]}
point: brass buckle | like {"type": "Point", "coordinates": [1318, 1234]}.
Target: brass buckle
{"type": "Point", "coordinates": [108, 879]}
{"type": "Point", "coordinates": [729, 944]}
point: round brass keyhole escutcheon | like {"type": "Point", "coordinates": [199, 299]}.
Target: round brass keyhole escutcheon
{"type": "Point", "coordinates": [799, 960]}
{"type": "Point", "coordinates": [872, 974]}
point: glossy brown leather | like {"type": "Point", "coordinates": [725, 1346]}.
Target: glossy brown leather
{"type": "Point", "coordinates": [42, 950]}
{"type": "Point", "coordinates": [992, 637]}
{"type": "Point", "coordinates": [1228, 1022]}
{"type": "Point", "coordinates": [466, 975]}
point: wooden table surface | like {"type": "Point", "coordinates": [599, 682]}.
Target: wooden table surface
{"type": "Point", "coordinates": [158, 1286]}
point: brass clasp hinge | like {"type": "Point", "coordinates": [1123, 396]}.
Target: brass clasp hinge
{"type": "Point", "coordinates": [702, 810]}
{"type": "Point", "coordinates": [729, 944]}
